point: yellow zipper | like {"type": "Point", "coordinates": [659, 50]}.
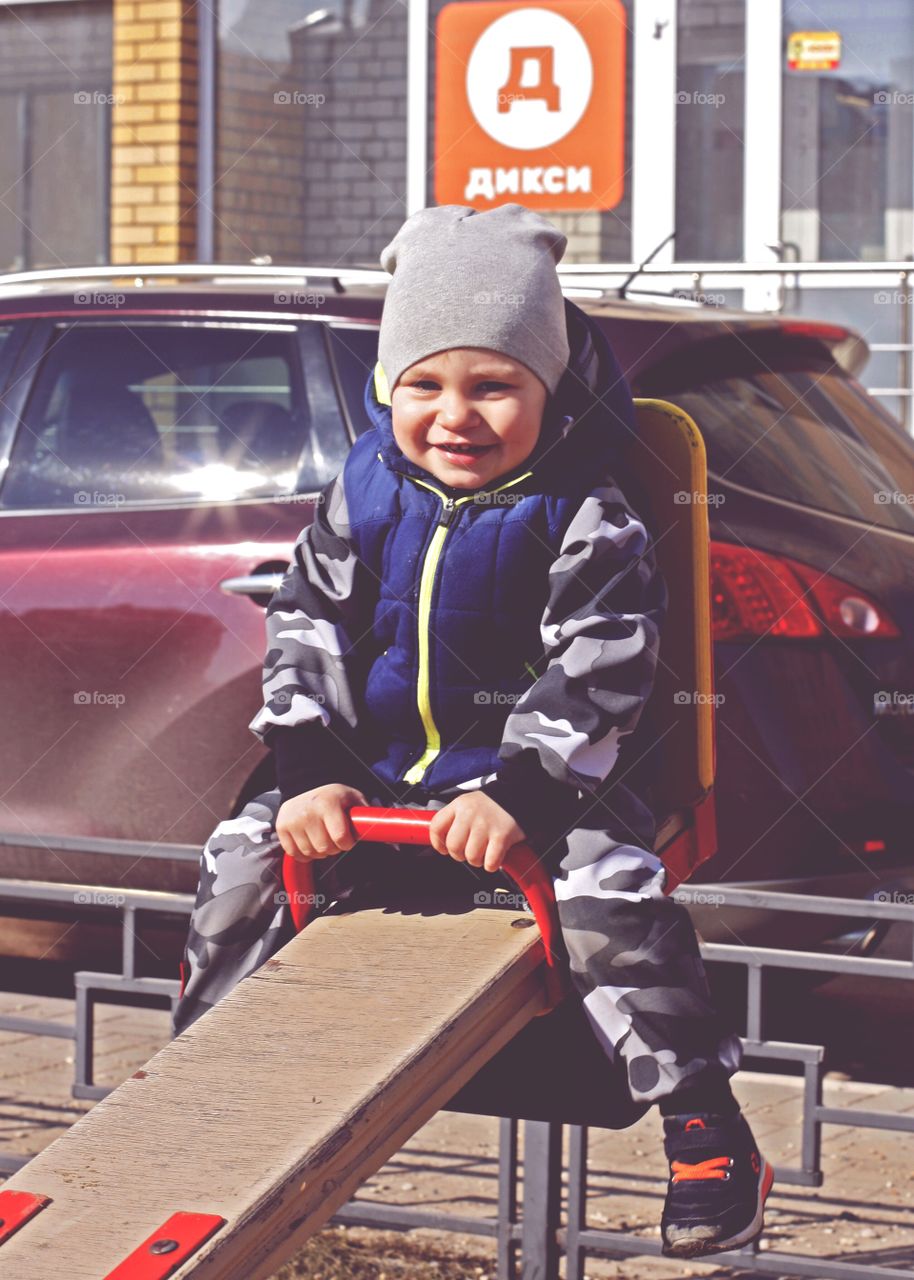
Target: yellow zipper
{"type": "Point", "coordinates": [426, 586]}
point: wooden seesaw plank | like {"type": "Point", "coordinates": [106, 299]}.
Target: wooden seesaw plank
{"type": "Point", "coordinates": [274, 1107]}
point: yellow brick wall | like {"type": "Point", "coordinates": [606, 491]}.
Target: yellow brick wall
{"type": "Point", "coordinates": [154, 132]}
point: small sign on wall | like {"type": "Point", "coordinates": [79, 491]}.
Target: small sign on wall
{"type": "Point", "coordinates": [530, 104]}
{"type": "Point", "coordinates": [814, 50]}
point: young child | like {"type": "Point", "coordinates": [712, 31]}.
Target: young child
{"type": "Point", "coordinates": [471, 625]}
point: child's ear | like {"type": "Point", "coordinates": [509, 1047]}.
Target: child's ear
{"type": "Point", "coordinates": [381, 389]}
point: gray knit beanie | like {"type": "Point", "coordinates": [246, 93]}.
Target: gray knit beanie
{"type": "Point", "coordinates": [462, 278]}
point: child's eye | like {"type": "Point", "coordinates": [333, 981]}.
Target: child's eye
{"type": "Point", "coordinates": [430, 384]}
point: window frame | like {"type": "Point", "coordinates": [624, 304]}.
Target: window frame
{"type": "Point", "coordinates": [329, 329]}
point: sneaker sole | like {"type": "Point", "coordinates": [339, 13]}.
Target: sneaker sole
{"type": "Point", "coordinates": [691, 1246]}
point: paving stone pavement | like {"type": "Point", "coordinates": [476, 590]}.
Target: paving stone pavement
{"type": "Point", "coordinates": [864, 1211]}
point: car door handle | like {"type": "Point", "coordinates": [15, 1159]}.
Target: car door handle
{"type": "Point", "coordinates": [252, 584]}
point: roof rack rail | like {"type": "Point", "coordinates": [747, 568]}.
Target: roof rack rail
{"type": "Point", "coordinates": [215, 273]}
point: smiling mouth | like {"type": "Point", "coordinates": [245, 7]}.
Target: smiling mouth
{"type": "Point", "coordinates": [474, 449]}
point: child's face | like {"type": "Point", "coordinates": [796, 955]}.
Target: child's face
{"type": "Point", "coordinates": [471, 397]}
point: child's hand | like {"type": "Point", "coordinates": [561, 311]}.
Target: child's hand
{"type": "Point", "coordinates": [316, 824]}
{"type": "Point", "coordinates": [474, 829]}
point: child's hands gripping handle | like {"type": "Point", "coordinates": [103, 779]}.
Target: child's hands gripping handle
{"type": "Point", "coordinates": [410, 826]}
{"type": "Point", "coordinates": [316, 824]}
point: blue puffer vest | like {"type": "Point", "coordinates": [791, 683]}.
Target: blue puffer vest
{"type": "Point", "coordinates": [464, 574]}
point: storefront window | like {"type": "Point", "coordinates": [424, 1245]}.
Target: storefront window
{"type": "Point", "coordinates": [709, 131]}
{"type": "Point", "coordinates": [847, 130]}
{"type": "Point", "coordinates": [310, 159]}
{"type": "Point", "coordinates": [55, 127]}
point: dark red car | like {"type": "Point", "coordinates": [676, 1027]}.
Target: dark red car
{"type": "Point", "coordinates": [159, 444]}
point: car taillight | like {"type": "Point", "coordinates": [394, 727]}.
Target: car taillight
{"type": "Point", "coordinates": [754, 593]}
{"type": "Point", "coordinates": [815, 329]}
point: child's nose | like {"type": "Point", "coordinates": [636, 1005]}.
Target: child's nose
{"type": "Point", "coordinates": [455, 410]}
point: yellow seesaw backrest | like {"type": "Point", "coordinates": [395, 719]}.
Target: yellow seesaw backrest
{"type": "Point", "coordinates": [668, 460]}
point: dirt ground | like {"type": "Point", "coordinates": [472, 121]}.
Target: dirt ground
{"type": "Point", "coordinates": [864, 1212]}
{"type": "Point", "coordinates": [355, 1253]}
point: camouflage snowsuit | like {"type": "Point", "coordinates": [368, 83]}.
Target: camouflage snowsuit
{"type": "Point", "coordinates": [542, 636]}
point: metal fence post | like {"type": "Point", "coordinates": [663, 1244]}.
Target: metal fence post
{"type": "Point", "coordinates": [542, 1200]}
{"type": "Point", "coordinates": [907, 364]}
{"type": "Point", "coordinates": [575, 1255]}
{"type": "Point", "coordinates": [506, 1242]}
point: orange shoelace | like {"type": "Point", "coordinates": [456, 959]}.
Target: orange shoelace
{"type": "Point", "coordinates": [716, 1167]}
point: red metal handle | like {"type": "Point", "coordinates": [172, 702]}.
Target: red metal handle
{"type": "Point", "coordinates": [410, 826]}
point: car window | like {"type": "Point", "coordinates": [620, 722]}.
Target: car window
{"type": "Point", "coordinates": [355, 350]}
{"type": "Point", "coordinates": [157, 412]}
{"type": "Point", "coordinates": [812, 436]}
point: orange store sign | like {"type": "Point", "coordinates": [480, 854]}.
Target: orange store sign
{"type": "Point", "coordinates": [530, 104]}
{"type": "Point", "coordinates": [814, 50]}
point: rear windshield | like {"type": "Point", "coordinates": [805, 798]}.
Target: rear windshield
{"type": "Point", "coordinates": [810, 434]}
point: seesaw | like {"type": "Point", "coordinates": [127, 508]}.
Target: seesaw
{"type": "Point", "coordinates": [239, 1139]}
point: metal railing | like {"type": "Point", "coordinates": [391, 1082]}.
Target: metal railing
{"type": "Point", "coordinates": [578, 1240]}
{"type": "Point", "coordinates": [94, 902]}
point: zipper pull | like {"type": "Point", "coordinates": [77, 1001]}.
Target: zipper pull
{"type": "Point", "coordinates": [450, 510]}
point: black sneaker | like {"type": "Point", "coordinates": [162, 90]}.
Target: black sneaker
{"type": "Point", "coordinates": [718, 1185]}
